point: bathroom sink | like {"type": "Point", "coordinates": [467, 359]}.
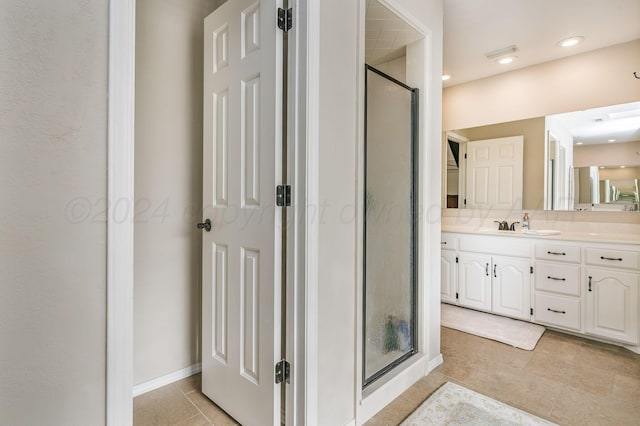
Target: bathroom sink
{"type": "Point", "coordinates": [540, 232]}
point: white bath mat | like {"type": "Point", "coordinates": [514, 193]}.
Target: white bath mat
{"type": "Point", "coordinates": [452, 405]}
{"type": "Point", "coordinates": [520, 334]}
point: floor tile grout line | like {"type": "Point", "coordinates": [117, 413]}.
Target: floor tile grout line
{"type": "Point", "coordinates": [198, 408]}
{"type": "Point", "coordinates": [195, 415]}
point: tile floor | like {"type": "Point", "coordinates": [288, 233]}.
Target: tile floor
{"type": "Point", "coordinates": [567, 380]}
{"type": "Point", "coordinates": [179, 403]}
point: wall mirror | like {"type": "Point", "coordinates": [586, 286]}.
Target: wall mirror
{"type": "Point", "coordinates": [581, 160]}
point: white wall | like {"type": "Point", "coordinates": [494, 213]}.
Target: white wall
{"type": "Point", "coordinates": [339, 118]}
{"type": "Point", "coordinates": [337, 228]}
{"type": "Point", "coordinates": [53, 163]}
{"type": "Point", "coordinates": [168, 185]}
{"type": "Point", "coordinates": [588, 80]}
{"type": "Point", "coordinates": [608, 154]}
{"type": "Point", "coordinates": [428, 13]}
{"type": "Point", "coordinates": [396, 68]}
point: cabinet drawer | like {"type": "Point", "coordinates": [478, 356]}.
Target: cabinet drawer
{"type": "Point", "coordinates": [557, 252]}
{"type": "Point", "coordinates": [448, 242]}
{"type": "Point", "coordinates": [558, 278]}
{"type": "Point", "coordinates": [613, 258]}
{"type": "Point", "coordinates": [560, 311]}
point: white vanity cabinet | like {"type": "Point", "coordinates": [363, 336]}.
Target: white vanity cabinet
{"type": "Point", "coordinates": [612, 294]}
{"type": "Point", "coordinates": [557, 285]}
{"type": "Point", "coordinates": [448, 269]}
{"type": "Point", "coordinates": [490, 276]}
{"type": "Point", "coordinates": [579, 285]}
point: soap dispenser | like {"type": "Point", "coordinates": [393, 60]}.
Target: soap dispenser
{"type": "Point", "coordinates": [525, 222]}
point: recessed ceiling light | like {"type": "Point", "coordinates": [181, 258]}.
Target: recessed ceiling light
{"type": "Point", "coordinates": [446, 77]}
{"type": "Point", "coordinates": [578, 143]}
{"type": "Point", "coordinates": [602, 167]}
{"type": "Point", "coordinates": [611, 140]}
{"type": "Point", "coordinates": [571, 41]}
{"type": "Point", "coordinates": [622, 167]}
{"type": "Point", "coordinates": [506, 60]}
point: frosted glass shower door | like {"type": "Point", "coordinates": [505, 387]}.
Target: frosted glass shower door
{"type": "Point", "coordinates": [389, 225]}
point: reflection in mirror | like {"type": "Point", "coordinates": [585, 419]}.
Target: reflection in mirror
{"type": "Point", "coordinates": [605, 155]}
{"type": "Point", "coordinates": [454, 175]}
{"type": "Point", "coordinates": [583, 160]}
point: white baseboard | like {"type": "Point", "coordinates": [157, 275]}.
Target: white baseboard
{"type": "Point", "coordinates": [434, 363]}
{"type": "Point", "coordinates": [166, 379]}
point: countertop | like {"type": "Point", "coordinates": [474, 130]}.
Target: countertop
{"type": "Point", "coordinates": [568, 236]}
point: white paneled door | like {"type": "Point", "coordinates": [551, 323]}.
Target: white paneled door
{"type": "Point", "coordinates": [494, 169]}
{"type": "Point", "coordinates": [242, 253]}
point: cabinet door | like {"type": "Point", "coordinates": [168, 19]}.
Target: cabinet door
{"type": "Point", "coordinates": [448, 276]}
{"type": "Point", "coordinates": [511, 287]}
{"type": "Point", "coordinates": [474, 281]}
{"type": "Point", "coordinates": [612, 304]}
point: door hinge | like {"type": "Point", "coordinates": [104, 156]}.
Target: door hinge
{"type": "Point", "coordinates": [282, 371]}
{"type": "Point", "coordinates": [283, 195]}
{"type": "Point", "coordinates": [531, 311]}
{"type": "Point", "coordinates": [457, 259]}
{"type": "Point", "coordinates": [531, 269]}
{"type": "Point", "coordinates": [285, 19]}
{"type": "Point", "coordinates": [457, 297]}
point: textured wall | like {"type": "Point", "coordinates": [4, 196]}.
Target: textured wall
{"type": "Point", "coordinates": [53, 169]}
{"type": "Point", "coordinates": [168, 185]}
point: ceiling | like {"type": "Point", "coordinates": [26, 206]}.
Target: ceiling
{"type": "Point", "coordinates": [620, 123]}
{"type": "Point", "coordinates": [386, 35]}
{"type": "Point", "coordinates": [475, 27]}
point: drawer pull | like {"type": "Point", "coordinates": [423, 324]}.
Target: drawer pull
{"type": "Point", "coordinates": [590, 283]}
{"type": "Point", "coordinates": [494, 271]}
{"type": "Point", "coordinates": [556, 253]}
{"type": "Point", "coordinates": [611, 258]}
{"type": "Point", "coordinates": [486, 270]}
{"type": "Point", "coordinates": [557, 312]}
{"type": "Point", "coordinates": [557, 279]}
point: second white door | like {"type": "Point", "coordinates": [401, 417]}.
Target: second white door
{"type": "Point", "coordinates": [242, 252]}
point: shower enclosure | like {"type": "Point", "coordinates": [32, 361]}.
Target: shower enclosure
{"type": "Point", "coordinates": [390, 224]}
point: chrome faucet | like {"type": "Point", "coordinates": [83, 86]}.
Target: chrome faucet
{"type": "Point", "coordinates": [502, 226]}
